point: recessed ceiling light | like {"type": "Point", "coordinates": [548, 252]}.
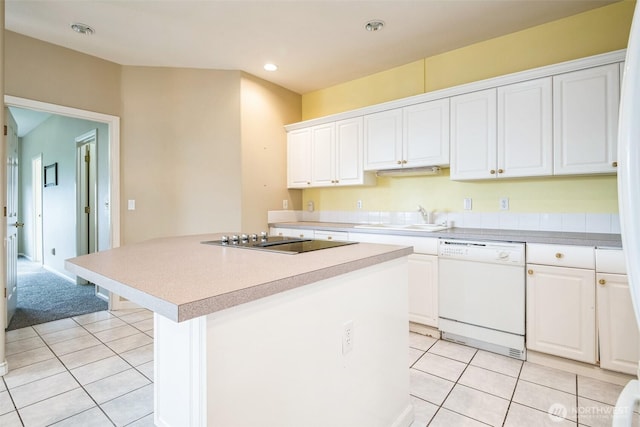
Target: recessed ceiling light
{"type": "Point", "coordinates": [82, 28]}
{"type": "Point", "coordinates": [270, 67]}
{"type": "Point", "coordinates": [374, 25]}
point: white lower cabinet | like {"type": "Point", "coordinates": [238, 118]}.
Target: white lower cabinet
{"type": "Point", "coordinates": [423, 273]}
{"type": "Point", "coordinates": [617, 327]}
{"type": "Point", "coordinates": [561, 312]}
{"type": "Point", "coordinates": [618, 333]}
{"type": "Point", "coordinates": [423, 289]}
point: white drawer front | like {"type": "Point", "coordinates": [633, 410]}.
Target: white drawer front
{"type": "Point", "coordinates": [561, 255]}
{"type": "Point", "coordinates": [421, 245]}
{"type": "Point", "coordinates": [610, 261]}
{"type": "Point", "coordinates": [331, 235]}
{"type": "Point", "coordinates": [291, 232]}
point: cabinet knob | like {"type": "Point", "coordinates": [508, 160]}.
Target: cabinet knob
{"type": "Point", "coordinates": [500, 171]}
{"type": "Point", "coordinates": [614, 164]}
{"type": "Point", "coordinates": [399, 162]}
{"type": "Point", "coordinates": [602, 281]}
{"type": "Point", "coordinates": [404, 162]}
{"type": "Point", "coordinates": [492, 172]}
{"type": "Point", "coordinates": [559, 255]}
{"type": "Point", "coordinates": [329, 237]}
{"type": "Point", "coordinates": [529, 272]}
{"type": "Point", "coordinates": [308, 183]}
{"type": "Point", "coordinates": [337, 181]}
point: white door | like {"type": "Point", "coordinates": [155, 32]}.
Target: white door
{"type": "Point", "coordinates": [525, 146]}
{"type": "Point", "coordinates": [617, 328]}
{"type": "Point", "coordinates": [561, 312]}
{"type": "Point", "coordinates": [423, 289]}
{"type": "Point", "coordinates": [349, 155]}
{"type": "Point", "coordinates": [12, 224]}
{"type": "Point", "coordinates": [322, 155]}
{"type": "Point", "coordinates": [383, 140]}
{"type": "Point", "coordinates": [473, 135]}
{"type": "Point", "coordinates": [585, 120]}
{"type": "Point", "coordinates": [36, 176]}
{"type": "Point", "coordinates": [426, 133]}
{"type": "Point", "coordinates": [299, 158]}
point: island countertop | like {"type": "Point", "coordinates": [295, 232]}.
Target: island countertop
{"type": "Point", "coordinates": [181, 278]}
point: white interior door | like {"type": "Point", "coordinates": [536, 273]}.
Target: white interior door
{"type": "Point", "coordinates": [11, 214]}
{"type": "Point", "coordinates": [36, 170]}
{"type": "Point", "coordinates": [87, 203]}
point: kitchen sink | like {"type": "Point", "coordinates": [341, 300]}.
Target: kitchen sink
{"type": "Point", "coordinates": [411, 227]}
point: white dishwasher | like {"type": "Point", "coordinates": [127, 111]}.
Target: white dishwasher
{"type": "Point", "coordinates": [482, 295]}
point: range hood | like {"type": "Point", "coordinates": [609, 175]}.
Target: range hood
{"type": "Point", "coordinates": [426, 170]}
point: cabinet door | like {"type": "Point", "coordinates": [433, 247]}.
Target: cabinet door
{"type": "Point", "coordinates": [525, 129]}
{"type": "Point", "coordinates": [299, 158]}
{"type": "Point", "coordinates": [423, 289]}
{"type": "Point", "coordinates": [426, 134]}
{"type": "Point", "coordinates": [383, 140]}
{"type": "Point", "coordinates": [323, 155]}
{"type": "Point", "coordinates": [349, 152]}
{"type": "Point", "coordinates": [473, 135]}
{"type": "Point", "coordinates": [617, 328]}
{"type": "Point", "coordinates": [561, 315]}
{"type": "Point", "coordinates": [585, 122]}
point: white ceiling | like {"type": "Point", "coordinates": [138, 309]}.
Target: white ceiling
{"type": "Point", "coordinates": [316, 44]}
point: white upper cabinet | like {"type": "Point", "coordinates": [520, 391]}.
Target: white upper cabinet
{"type": "Point", "coordinates": [525, 137]}
{"type": "Point", "coordinates": [473, 135]}
{"type": "Point", "coordinates": [408, 137]}
{"type": "Point", "coordinates": [323, 154]}
{"type": "Point", "coordinates": [349, 155]}
{"type": "Point", "coordinates": [585, 117]}
{"type": "Point", "coordinates": [383, 140]}
{"type": "Point", "coordinates": [327, 155]}
{"type": "Point", "coordinates": [299, 158]}
{"type": "Point", "coordinates": [425, 136]}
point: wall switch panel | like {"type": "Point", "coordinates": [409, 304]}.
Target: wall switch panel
{"type": "Point", "coordinates": [467, 204]}
{"type": "Point", "coordinates": [285, 204]}
{"type": "Point", "coordinates": [131, 205]}
{"type": "Point", "coordinates": [347, 337]}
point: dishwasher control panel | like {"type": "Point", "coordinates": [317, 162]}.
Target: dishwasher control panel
{"type": "Point", "coordinates": [489, 252]}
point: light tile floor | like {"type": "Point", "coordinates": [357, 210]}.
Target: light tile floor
{"type": "Point", "coordinates": [455, 385]}
{"type": "Point", "coordinates": [97, 370]}
{"type": "Point", "coordinates": [90, 370]}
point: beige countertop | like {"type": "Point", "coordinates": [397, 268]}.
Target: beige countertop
{"type": "Point", "coordinates": [524, 236]}
{"type": "Point", "coordinates": [181, 278]}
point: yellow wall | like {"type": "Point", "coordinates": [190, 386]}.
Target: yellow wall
{"type": "Point", "coordinates": [600, 30]}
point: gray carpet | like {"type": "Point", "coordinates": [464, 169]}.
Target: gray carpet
{"type": "Point", "coordinates": [44, 296]}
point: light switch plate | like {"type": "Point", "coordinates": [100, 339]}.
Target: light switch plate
{"type": "Point", "coordinates": [131, 205]}
{"type": "Point", "coordinates": [467, 204]}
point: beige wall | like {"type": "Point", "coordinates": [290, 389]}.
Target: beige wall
{"type": "Point", "coordinates": [44, 72]}
{"type": "Point", "coordinates": [266, 108]}
{"type": "Point", "coordinates": [191, 140]}
{"type": "Point", "coordinates": [181, 153]}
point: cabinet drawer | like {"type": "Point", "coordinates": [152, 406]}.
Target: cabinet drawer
{"type": "Point", "coordinates": [561, 255]}
{"type": "Point", "coordinates": [331, 235]}
{"type": "Point", "coordinates": [421, 245]}
{"type": "Point", "coordinates": [292, 232]}
{"type": "Point", "coordinates": [610, 261]}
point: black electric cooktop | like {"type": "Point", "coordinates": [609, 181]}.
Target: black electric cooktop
{"type": "Point", "coordinates": [279, 244]}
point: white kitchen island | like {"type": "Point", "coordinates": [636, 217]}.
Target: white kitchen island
{"type": "Point", "coordinates": [252, 338]}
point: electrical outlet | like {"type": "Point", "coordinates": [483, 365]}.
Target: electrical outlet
{"type": "Point", "coordinates": [359, 204]}
{"type": "Point", "coordinates": [467, 204]}
{"type": "Point", "coordinates": [504, 203]}
{"type": "Point", "coordinates": [347, 337]}
{"type": "Point", "coordinates": [285, 204]}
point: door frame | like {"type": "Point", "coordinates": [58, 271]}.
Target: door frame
{"type": "Point", "coordinates": [86, 196]}
{"type": "Point", "coordinates": [113, 137]}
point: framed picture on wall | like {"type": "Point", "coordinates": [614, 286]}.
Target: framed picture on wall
{"type": "Point", "coordinates": [51, 175]}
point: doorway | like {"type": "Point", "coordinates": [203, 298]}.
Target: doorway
{"type": "Point", "coordinates": [111, 237]}
{"type": "Point", "coordinates": [86, 184]}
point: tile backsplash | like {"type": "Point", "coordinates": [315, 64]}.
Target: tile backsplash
{"type": "Point", "coordinates": [574, 222]}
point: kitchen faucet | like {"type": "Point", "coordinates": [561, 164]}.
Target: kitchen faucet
{"type": "Point", "coordinates": [426, 215]}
